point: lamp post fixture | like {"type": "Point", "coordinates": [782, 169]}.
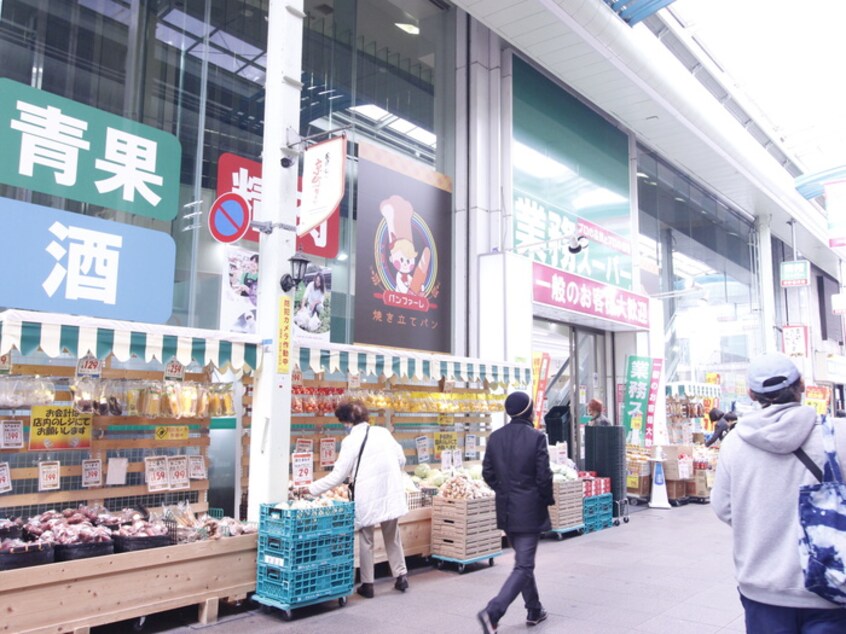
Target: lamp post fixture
{"type": "Point", "coordinates": [299, 264]}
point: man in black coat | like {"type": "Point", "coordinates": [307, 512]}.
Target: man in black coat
{"type": "Point", "coordinates": [516, 467]}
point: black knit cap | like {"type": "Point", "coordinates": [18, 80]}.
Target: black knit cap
{"type": "Point", "coordinates": [519, 405]}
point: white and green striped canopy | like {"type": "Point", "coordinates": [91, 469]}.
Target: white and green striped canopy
{"type": "Point", "coordinates": [366, 360]}
{"type": "Point", "coordinates": [55, 334]}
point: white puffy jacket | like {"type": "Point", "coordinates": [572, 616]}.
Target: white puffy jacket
{"type": "Point", "coordinates": [379, 489]}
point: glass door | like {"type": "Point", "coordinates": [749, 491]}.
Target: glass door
{"type": "Point", "coordinates": [589, 376]}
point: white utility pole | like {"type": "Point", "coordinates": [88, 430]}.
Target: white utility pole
{"type": "Point", "coordinates": [271, 420]}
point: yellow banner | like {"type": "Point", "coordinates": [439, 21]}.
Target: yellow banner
{"type": "Point", "coordinates": [283, 352]}
{"type": "Point", "coordinates": [53, 428]}
{"type": "Point", "coordinates": [445, 440]}
{"type": "Point", "coordinates": [171, 432]}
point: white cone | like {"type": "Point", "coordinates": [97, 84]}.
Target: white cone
{"type": "Point", "coordinates": [658, 498]}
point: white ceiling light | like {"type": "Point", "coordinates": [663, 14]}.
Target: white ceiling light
{"type": "Point", "coordinates": [411, 29]}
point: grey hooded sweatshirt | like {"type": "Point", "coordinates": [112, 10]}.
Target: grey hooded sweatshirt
{"type": "Point", "coordinates": [756, 491]}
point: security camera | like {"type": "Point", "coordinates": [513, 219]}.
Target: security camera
{"type": "Point", "coordinates": [577, 243]}
{"type": "Point", "coordinates": [287, 162]}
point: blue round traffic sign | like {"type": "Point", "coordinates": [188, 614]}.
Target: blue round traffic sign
{"type": "Point", "coordinates": [229, 218]}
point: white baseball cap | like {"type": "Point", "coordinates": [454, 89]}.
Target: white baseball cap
{"type": "Point", "coordinates": [771, 372]}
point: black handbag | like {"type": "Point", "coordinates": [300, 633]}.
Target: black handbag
{"type": "Point", "coordinates": [358, 464]}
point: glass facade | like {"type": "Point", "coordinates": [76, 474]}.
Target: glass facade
{"type": "Point", "coordinates": [196, 69]}
{"type": "Point", "coordinates": [696, 255]}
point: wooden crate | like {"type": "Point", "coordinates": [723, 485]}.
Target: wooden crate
{"type": "Point", "coordinates": [568, 508]}
{"type": "Point", "coordinates": [462, 549]}
{"type": "Point", "coordinates": [464, 529]}
{"type": "Point", "coordinates": [73, 596]}
{"type": "Point", "coordinates": [416, 534]}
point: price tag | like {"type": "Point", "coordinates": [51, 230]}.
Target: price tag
{"type": "Point", "coordinates": [155, 470]}
{"type": "Point", "coordinates": [174, 370]}
{"type": "Point", "coordinates": [446, 460]}
{"type": "Point", "coordinates": [353, 381]}
{"type": "Point", "coordinates": [327, 452]}
{"type": "Point", "coordinates": [177, 473]}
{"type": "Point", "coordinates": [12, 436]}
{"type": "Point", "coordinates": [422, 449]}
{"type": "Point", "coordinates": [116, 474]}
{"type": "Point", "coordinates": [446, 420]}
{"type": "Point", "coordinates": [560, 455]}
{"type": "Point", "coordinates": [92, 473]}
{"type": "Point", "coordinates": [304, 445]}
{"type": "Point", "coordinates": [457, 462]}
{"type": "Point", "coordinates": [5, 477]}
{"type": "Point", "coordinates": [172, 432]}
{"type": "Point", "coordinates": [197, 468]}
{"type": "Point", "coordinates": [302, 466]}
{"type": "Point", "coordinates": [296, 376]}
{"type": "Point", "coordinates": [89, 366]}
{"type": "Point", "coordinates": [470, 450]}
{"type": "Point", "coordinates": [6, 363]}
{"type": "Point", "coordinates": [48, 475]}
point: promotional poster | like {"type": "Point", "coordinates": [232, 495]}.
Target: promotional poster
{"type": "Point", "coordinates": [313, 305]}
{"type": "Point", "coordinates": [404, 253]}
{"type": "Point", "coordinates": [238, 290]}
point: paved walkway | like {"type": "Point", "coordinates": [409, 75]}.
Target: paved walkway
{"type": "Point", "coordinates": [664, 572]}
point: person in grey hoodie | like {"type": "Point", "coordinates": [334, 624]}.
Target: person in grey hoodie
{"type": "Point", "coordinates": [756, 492]}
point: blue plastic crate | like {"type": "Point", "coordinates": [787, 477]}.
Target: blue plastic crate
{"type": "Point", "coordinates": [323, 550]}
{"type": "Point", "coordinates": [294, 587]}
{"type": "Point", "coordinates": [298, 524]}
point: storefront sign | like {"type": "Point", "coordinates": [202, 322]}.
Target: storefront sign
{"type": "Point", "coordinates": [283, 353]}
{"type": "Point", "coordinates": [243, 176]}
{"type": "Point", "coordinates": [795, 340]}
{"type": "Point", "coordinates": [422, 443]}
{"type": "Point", "coordinates": [172, 432]}
{"type": "Point", "coordinates": [302, 465]}
{"type": "Point", "coordinates": [58, 427]}
{"type": "Point", "coordinates": [49, 475]}
{"type": "Point", "coordinates": [445, 441]}
{"type": "Point", "coordinates": [795, 273]}
{"type": "Point", "coordinates": [197, 468]}
{"type": "Point", "coordinates": [155, 470]}
{"type": "Point", "coordinates": [11, 434]}
{"type": "Point", "coordinates": [470, 444]}
{"type": "Point", "coordinates": [818, 397]}
{"type": "Point", "coordinates": [327, 452]}
{"type": "Point", "coordinates": [63, 148]}
{"type": "Point", "coordinates": [177, 473]}
{"type": "Point", "coordinates": [5, 477]}
{"type": "Point", "coordinates": [323, 182]}
{"type": "Point", "coordinates": [63, 262]}
{"type": "Point", "coordinates": [561, 289]}
{"type": "Point", "coordinates": [403, 274]}
{"type": "Point", "coordinates": [92, 473]}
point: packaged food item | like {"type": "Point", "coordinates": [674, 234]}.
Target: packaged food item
{"type": "Point", "coordinates": [189, 399]}
{"type": "Point", "coordinates": [43, 392]}
{"type": "Point", "coordinates": [215, 404]}
{"type": "Point", "coordinates": [228, 404]}
{"type": "Point", "coordinates": [171, 405]}
{"type": "Point", "coordinates": [202, 400]}
{"type": "Point", "coordinates": [83, 393]}
{"type": "Point", "coordinates": [134, 396]}
{"type": "Point", "coordinates": [152, 402]}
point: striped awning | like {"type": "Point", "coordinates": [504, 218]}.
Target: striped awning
{"type": "Point", "coordinates": [366, 360]}
{"type": "Point", "coordinates": [54, 334]}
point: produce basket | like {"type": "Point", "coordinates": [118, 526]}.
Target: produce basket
{"type": "Point", "coordinates": [10, 532]}
{"type": "Point", "coordinates": [417, 500]}
{"type": "Point", "coordinates": [305, 523]}
{"type": "Point", "coordinates": [33, 554]}
{"type": "Point", "coordinates": [68, 552]}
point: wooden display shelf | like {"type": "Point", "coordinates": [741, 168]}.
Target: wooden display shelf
{"type": "Point", "coordinates": [416, 533]}
{"type": "Point", "coordinates": [74, 596]}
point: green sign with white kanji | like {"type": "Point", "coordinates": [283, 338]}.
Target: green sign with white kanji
{"type": "Point", "coordinates": [63, 148]}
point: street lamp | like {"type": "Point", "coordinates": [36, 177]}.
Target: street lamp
{"type": "Point", "coordinates": [299, 264]}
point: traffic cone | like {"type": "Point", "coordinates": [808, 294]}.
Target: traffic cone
{"type": "Point", "coordinates": [658, 498]}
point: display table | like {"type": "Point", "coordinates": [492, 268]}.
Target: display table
{"type": "Point", "coordinates": [74, 596]}
{"type": "Point", "coordinates": [416, 532]}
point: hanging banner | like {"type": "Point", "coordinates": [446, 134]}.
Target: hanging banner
{"type": "Point", "coordinates": [313, 305]}
{"type": "Point", "coordinates": [243, 176]}
{"type": "Point", "coordinates": [239, 290]}
{"type": "Point", "coordinates": [540, 375]}
{"type": "Point", "coordinates": [58, 427]}
{"type": "Point", "coordinates": [638, 375]}
{"type": "Point", "coordinates": [652, 401]}
{"type": "Point", "coordinates": [323, 182]}
{"type": "Point", "coordinates": [403, 289]}
{"type": "Point", "coordinates": [283, 353]}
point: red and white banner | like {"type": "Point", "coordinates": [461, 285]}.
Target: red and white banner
{"type": "Point", "coordinates": [323, 183]}
{"type": "Point", "coordinates": [651, 406]}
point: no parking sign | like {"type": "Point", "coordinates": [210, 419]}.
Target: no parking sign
{"type": "Point", "coordinates": [229, 218]}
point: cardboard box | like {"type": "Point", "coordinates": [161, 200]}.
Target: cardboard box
{"type": "Point", "coordinates": [639, 485]}
{"type": "Point", "coordinates": [698, 486]}
{"type": "Point", "coordinates": [676, 468]}
{"type": "Point", "coordinates": [676, 489]}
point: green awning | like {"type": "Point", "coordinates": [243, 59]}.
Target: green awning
{"type": "Point", "coordinates": [54, 334]}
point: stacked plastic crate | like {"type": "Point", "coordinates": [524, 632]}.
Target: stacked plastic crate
{"type": "Point", "coordinates": [605, 453]}
{"type": "Point", "coordinates": [305, 556]}
{"type": "Point", "coordinates": [599, 512]}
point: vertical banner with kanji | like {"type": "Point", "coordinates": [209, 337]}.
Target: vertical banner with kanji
{"type": "Point", "coordinates": [540, 376]}
{"type": "Point", "coordinates": [652, 402]}
{"type": "Point", "coordinates": [283, 352]}
{"type": "Point", "coordinates": [404, 269]}
{"type": "Point", "coordinates": [638, 376]}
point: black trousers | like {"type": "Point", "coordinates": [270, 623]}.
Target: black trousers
{"type": "Point", "coordinates": [522, 577]}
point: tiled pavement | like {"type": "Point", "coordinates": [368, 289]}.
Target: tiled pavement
{"type": "Point", "coordinates": [664, 572]}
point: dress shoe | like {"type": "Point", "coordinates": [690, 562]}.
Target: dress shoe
{"type": "Point", "coordinates": [366, 590]}
{"type": "Point", "coordinates": [402, 583]}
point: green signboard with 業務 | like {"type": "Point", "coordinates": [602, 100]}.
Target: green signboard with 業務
{"type": "Point", "coordinates": [63, 148]}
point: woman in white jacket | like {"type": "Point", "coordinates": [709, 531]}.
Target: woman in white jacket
{"type": "Point", "coordinates": [373, 462]}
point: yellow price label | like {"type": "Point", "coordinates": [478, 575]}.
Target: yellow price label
{"type": "Point", "coordinates": [172, 432]}
{"type": "Point", "coordinates": [637, 422]}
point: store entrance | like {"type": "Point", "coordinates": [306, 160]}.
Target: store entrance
{"type": "Point", "coordinates": [576, 375]}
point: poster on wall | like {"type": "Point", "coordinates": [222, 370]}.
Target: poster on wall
{"type": "Point", "coordinates": [239, 290]}
{"type": "Point", "coordinates": [313, 304]}
{"type": "Point", "coordinates": [795, 340]}
{"type": "Point", "coordinates": [404, 253]}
